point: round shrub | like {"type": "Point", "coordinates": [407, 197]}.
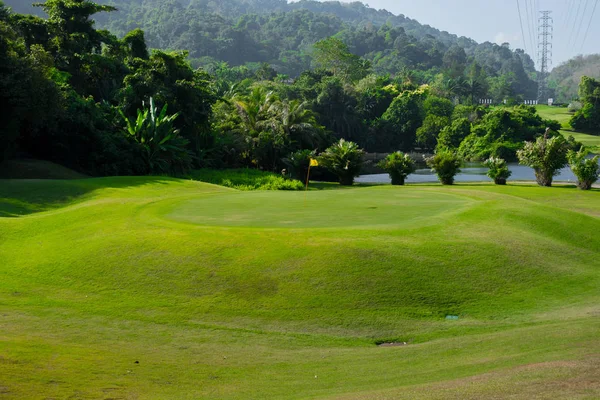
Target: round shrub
{"type": "Point", "coordinates": [446, 164]}
{"type": "Point", "coordinates": [545, 156]}
{"type": "Point", "coordinates": [498, 170]}
{"type": "Point", "coordinates": [585, 169]}
{"type": "Point", "coordinates": [345, 159]}
{"type": "Point", "coordinates": [399, 166]}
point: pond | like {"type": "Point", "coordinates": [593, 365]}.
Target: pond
{"type": "Point", "coordinates": [471, 172]}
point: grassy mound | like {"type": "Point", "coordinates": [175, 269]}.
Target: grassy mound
{"type": "Point", "coordinates": [164, 288]}
{"type": "Point", "coordinates": [36, 169]}
{"type": "Point", "coordinates": [246, 179]}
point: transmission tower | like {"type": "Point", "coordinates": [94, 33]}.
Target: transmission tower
{"type": "Point", "coordinates": [545, 33]}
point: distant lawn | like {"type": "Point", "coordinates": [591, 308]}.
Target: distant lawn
{"type": "Point", "coordinates": [164, 288]}
{"type": "Point", "coordinates": [561, 115]}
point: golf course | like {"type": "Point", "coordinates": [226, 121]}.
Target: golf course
{"type": "Point", "coordinates": [163, 288]}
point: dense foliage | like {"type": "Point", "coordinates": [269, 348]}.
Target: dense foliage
{"type": "Point", "coordinates": [585, 168]}
{"type": "Point", "coordinates": [398, 165]}
{"type": "Point", "coordinates": [564, 79]}
{"type": "Point", "coordinates": [250, 32]}
{"type": "Point", "coordinates": [546, 156]}
{"type": "Point", "coordinates": [345, 159]}
{"type": "Point", "coordinates": [446, 164]}
{"type": "Point", "coordinates": [246, 179]}
{"type": "Point", "coordinates": [587, 118]}
{"type": "Point", "coordinates": [79, 96]}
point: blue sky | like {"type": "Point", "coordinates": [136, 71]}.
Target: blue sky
{"type": "Point", "coordinates": [498, 21]}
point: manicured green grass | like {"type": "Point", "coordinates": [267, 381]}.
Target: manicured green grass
{"type": "Point", "coordinates": [163, 288]}
{"type": "Point", "coordinates": [561, 115]}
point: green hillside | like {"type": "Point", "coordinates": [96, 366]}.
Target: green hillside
{"type": "Point", "coordinates": [163, 288]}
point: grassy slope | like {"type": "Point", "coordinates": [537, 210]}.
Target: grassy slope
{"type": "Point", "coordinates": [36, 169]}
{"type": "Point", "coordinates": [561, 115]}
{"type": "Point", "coordinates": [226, 294]}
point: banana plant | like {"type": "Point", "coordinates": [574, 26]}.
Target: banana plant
{"type": "Point", "coordinates": [165, 150]}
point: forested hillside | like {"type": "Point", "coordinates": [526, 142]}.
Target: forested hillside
{"type": "Point", "coordinates": [104, 104]}
{"type": "Point", "coordinates": [566, 77]}
{"type": "Point", "coordinates": [251, 32]}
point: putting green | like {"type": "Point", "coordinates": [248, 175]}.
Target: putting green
{"type": "Point", "coordinates": [397, 207]}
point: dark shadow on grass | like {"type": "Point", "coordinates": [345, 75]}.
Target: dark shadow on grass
{"type": "Point", "coordinates": [22, 197]}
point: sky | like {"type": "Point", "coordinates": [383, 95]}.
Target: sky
{"type": "Point", "coordinates": [498, 21]}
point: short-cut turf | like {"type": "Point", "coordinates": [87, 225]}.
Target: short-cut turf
{"type": "Point", "coordinates": [165, 288]}
{"type": "Point", "coordinates": [563, 116]}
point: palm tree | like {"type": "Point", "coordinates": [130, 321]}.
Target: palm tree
{"type": "Point", "coordinates": [299, 123]}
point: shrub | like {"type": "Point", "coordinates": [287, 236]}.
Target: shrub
{"type": "Point", "coordinates": [345, 159]}
{"type": "Point", "coordinates": [545, 156]}
{"type": "Point", "coordinates": [446, 164]}
{"type": "Point", "coordinates": [585, 169]}
{"type": "Point", "coordinates": [498, 170]}
{"type": "Point", "coordinates": [298, 162]}
{"type": "Point", "coordinates": [246, 179]}
{"type": "Point", "coordinates": [399, 166]}
{"type": "Point", "coordinates": [574, 106]}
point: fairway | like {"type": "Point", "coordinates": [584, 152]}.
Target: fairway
{"type": "Point", "coordinates": [561, 115]}
{"type": "Point", "coordinates": [159, 288]}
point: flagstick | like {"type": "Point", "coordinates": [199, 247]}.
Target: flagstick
{"type": "Point", "coordinates": [306, 190]}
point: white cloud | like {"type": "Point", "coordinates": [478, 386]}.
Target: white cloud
{"type": "Point", "coordinates": [503, 37]}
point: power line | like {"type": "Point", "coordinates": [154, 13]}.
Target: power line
{"type": "Point", "coordinates": [568, 14]}
{"type": "Point", "coordinates": [589, 25]}
{"type": "Point", "coordinates": [581, 23]}
{"type": "Point", "coordinates": [529, 27]}
{"type": "Point", "coordinates": [574, 24]}
{"type": "Point", "coordinates": [522, 31]}
{"type": "Point", "coordinates": [534, 8]}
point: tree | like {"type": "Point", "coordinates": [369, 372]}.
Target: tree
{"type": "Point", "coordinates": [451, 136]}
{"type": "Point", "coordinates": [585, 169]}
{"type": "Point", "coordinates": [333, 54]}
{"type": "Point", "coordinates": [588, 118]}
{"type": "Point", "coordinates": [405, 115]}
{"type": "Point", "coordinates": [546, 156]}
{"type": "Point", "coordinates": [345, 159]}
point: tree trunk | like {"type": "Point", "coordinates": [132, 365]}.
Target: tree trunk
{"type": "Point", "coordinates": [500, 181]}
{"type": "Point", "coordinates": [346, 180]}
{"type": "Point", "coordinates": [397, 180]}
{"type": "Point", "coordinates": [543, 178]}
{"type": "Point", "coordinates": [585, 185]}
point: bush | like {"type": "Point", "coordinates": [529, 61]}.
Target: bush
{"type": "Point", "coordinates": [545, 156]}
{"type": "Point", "coordinates": [585, 169]}
{"type": "Point", "coordinates": [399, 166]}
{"type": "Point", "coordinates": [298, 162]}
{"type": "Point", "coordinates": [246, 179]}
{"type": "Point", "coordinates": [574, 106]}
{"type": "Point", "coordinates": [345, 159]}
{"type": "Point", "coordinates": [446, 164]}
{"type": "Point", "coordinates": [498, 170]}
